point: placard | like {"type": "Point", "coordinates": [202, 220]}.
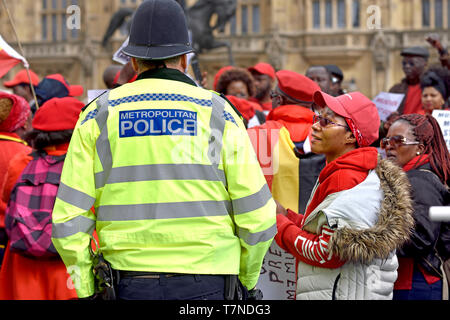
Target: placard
{"type": "Point", "coordinates": [443, 118]}
{"type": "Point", "coordinates": [121, 57]}
{"type": "Point", "coordinates": [387, 103]}
{"type": "Point", "coordinates": [93, 94]}
{"type": "Point", "coordinates": [277, 277]}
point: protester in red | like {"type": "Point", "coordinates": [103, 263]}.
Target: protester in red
{"type": "Point", "coordinates": [14, 121]}
{"type": "Point", "coordinates": [20, 86]}
{"type": "Point", "coordinates": [415, 143]}
{"type": "Point", "coordinates": [359, 212]}
{"type": "Point", "coordinates": [22, 277]}
{"type": "Point", "coordinates": [56, 86]}
{"type": "Point", "coordinates": [414, 63]}
{"type": "Point", "coordinates": [264, 76]}
{"type": "Point", "coordinates": [236, 82]}
{"type": "Point", "coordinates": [292, 99]}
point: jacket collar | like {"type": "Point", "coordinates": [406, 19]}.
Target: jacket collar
{"type": "Point", "coordinates": [167, 74]}
{"type": "Point", "coordinates": [291, 113]}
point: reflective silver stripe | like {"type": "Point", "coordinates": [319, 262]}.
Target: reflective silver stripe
{"type": "Point", "coordinates": [74, 197]}
{"type": "Point", "coordinates": [103, 145]}
{"type": "Point", "coordinates": [164, 172]}
{"type": "Point", "coordinates": [217, 125]}
{"type": "Point", "coordinates": [156, 211]}
{"type": "Point", "coordinates": [252, 202]}
{"type": "Point", "coordinates": [258, 237]}
{"type": "Point", "coordinates": [72, 227]}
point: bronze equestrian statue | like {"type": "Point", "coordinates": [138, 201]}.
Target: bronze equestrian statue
{"type": "Point", "coordinates": [198, 16]}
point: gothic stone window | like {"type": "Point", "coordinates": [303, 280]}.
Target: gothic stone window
{"type": "Point", "coordinates": [247, 19]}
{"type": "Point", "coordinates": [329, 14]}
{"type": "Point", "coordinates": [436, 14]}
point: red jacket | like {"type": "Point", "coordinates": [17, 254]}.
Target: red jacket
{"type": "Point", "coordinates": [298, 120]}
{"type": "Point", "coordinates": [341, 174]}
{"type": "Point", "coordinates": [10, 146]}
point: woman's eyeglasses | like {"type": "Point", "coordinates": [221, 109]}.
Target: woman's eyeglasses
{"type": "Point", "coordinates": [324, 122]}
{"type": "Point", "coordinates": [396, 141]}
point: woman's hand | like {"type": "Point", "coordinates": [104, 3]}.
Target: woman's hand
{"type": "Point", "coordinates": [281, 209]}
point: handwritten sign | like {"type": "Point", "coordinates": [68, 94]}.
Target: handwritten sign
{"type": "Point", "coordinates": [277, 277]}
{"type": "Point", "coordinates": [387, 103]}
{"type": "Point", "coordinates": [121, 57]}
{"type": "Point", "coordinates": [443, 118]}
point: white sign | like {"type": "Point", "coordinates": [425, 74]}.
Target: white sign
{"type": "Point", "coordinates": [387, 103]}
{"type": "Point", "coordinates": [277, 277]}
{"type": "Point", "coordinates": [121, 57]}
{"type": "Point", "coordinates": [92, 94]}
{"type": "Point", "coordinates": [443, 118]}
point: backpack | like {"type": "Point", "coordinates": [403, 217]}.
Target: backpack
{"type": "Point", "coordinates": [28, 216]}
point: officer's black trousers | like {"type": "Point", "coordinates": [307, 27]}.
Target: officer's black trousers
{"type": "Point", "coordinates": [182, 287]}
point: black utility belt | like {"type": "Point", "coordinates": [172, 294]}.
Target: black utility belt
{"type": "Point", "coordinates": [155, 275]}
{"type": "Point", "coordinates": [148, 275]}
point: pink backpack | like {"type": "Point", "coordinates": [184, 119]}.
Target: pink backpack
{"type": "Point", "coordinates": [28, 216]}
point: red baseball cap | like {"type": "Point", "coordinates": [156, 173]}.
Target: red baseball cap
{"type": "Point", "coordinates": [22, 77]}
{"type": "Point", "coordinates": [263, 68]}
{"type": "Point", "coordinates": [296, 86]}
{"type": "Point", "coordinates": [356, 107]}
{"type": "Point", "coordinates": [58, 114]}
{"type": "Point", "coordinates": [74, 90]}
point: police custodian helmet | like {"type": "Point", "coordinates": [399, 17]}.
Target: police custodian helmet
{"type": "Point", "coordinates": [159, 31]}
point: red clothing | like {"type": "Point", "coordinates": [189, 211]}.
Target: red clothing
{"type": "Point", "coordinates": [413, 100]}
{"type": "Point", "coordinates": [266, 106]}
{"type": "Point", "coordinates": [341, 174]}
{"type": "Point", "coordinates": [298, 120]}
{"type": "Point", "coordinates": [245, 107]}
{"type": "Point", "coordinates": [10, 146]}
{"type": "Point", "coordinates": [406, 265]}
{"type": "Point", "coordinates": [23, 278]}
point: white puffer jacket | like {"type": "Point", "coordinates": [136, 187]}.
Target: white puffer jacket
{"type": "Point", "coordinates": [371, 221]}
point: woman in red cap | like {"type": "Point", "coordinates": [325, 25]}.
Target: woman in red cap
{"type": "Point", "coordinates": [359, 212]}
{"type": "Point", "coordinates": [45, 277]}
{"type": "Point", "coordinates": [416, 144]}
{"type": "Point", "coordinates": [14, 121]}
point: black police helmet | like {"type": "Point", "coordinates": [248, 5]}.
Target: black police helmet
{"type": "Point", "coordinates": [158, 31]}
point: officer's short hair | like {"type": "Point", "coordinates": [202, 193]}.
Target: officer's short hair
{"type": "Point", "coordinates": [145, 64]}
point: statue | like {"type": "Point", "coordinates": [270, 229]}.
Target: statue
{"type": "Point", "coordinates": [198, 16]}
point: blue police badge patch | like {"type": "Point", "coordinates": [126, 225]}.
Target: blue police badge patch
{"type": "Point", "coordinates": [157, 122]}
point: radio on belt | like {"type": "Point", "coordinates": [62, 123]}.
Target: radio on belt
{"type": "Point", "coordinates": [157, 122]}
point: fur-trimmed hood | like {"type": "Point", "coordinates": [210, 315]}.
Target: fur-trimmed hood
{"type": "Point", "coordinates": [393, 228]}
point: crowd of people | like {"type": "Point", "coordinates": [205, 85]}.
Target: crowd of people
{"type": "Point", "coordinates": [348, 195]}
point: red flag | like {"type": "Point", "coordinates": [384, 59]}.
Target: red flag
{"type": "Point", "coordinates": [9, 58]}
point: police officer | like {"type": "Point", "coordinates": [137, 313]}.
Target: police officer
{"type": "Point", "coordinates": [181, 204]}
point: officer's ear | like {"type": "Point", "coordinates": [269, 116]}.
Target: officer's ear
{"type": "Point", "coordinates": [184, 62]}
{"type": "Point", "coordinates": [134, 64]}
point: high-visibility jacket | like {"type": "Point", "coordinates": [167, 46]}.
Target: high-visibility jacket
{"type": "Point", "coordinates": [174, 181]}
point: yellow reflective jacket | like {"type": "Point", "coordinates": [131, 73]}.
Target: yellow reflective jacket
{"type": "Point", "coordinates": [174, 181]}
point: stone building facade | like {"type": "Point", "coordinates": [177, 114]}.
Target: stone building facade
{"type": "Point", "coordinates": [363, 37]}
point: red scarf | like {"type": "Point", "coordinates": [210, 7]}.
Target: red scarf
{"type": "Point", "coordinates": [416, 162]}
